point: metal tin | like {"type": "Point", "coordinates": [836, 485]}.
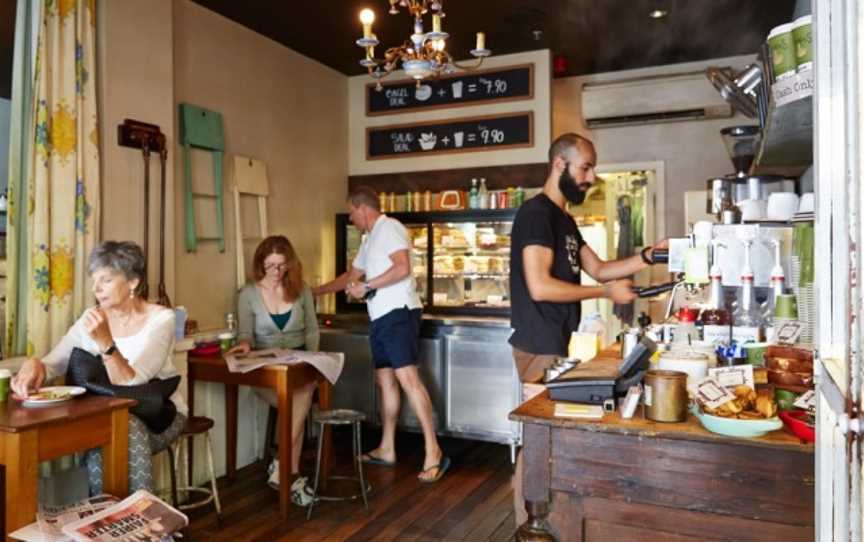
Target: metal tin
{"type": "Point", "coordinates": [666, 396]}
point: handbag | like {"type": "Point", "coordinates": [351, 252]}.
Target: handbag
{"type": "Point", "coordinates": [154, 407]}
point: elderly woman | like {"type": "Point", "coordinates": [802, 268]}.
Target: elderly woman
{"type": "Point", "coordinates": [278, 311]}
{"type": "Point", "coordinates": [135, 340]}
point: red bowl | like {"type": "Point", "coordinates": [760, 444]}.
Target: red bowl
{"type": "Point", "coordinates": [794, 421]}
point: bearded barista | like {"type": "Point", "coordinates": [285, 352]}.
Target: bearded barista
{"type": "Point", "coordinates": [546, 258]}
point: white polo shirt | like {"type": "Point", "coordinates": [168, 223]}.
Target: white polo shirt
{"type": "Point", "coordinates": [388, 235]}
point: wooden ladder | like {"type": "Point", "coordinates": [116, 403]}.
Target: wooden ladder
{"type": "Point", "coordinates": [202, 129]}
{"type": "Point", "coordinates": [250, 179]}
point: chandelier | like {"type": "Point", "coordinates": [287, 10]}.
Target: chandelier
{"type": "Point", "coordinates": [424, 53]}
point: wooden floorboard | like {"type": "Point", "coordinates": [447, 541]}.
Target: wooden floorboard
{"type": "Point", "coordinates": [472, 502]}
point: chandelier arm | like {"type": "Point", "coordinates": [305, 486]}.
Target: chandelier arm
{"type": "Point", "coordinates": [468, 67]}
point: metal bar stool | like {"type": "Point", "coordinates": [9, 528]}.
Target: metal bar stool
{"type": "Point", "coordinates": [340, 417]}
{"type": "Point", "coordinates": [196, 425]}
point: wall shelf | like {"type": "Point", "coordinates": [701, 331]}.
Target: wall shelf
{"type": "Point", "coordinates": [786, 147]}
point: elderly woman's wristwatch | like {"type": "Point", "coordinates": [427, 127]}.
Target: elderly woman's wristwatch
{"type": "Point", "coordinates": [110, 350]}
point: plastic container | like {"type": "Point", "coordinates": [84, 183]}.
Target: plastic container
{"type": "Point", "coordinates": [594, 323]}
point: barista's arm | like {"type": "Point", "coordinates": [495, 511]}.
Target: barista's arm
{"type": "Point", "coordinates": [542, 286]}
{"type": "Point", "coordinates": [605, 271]}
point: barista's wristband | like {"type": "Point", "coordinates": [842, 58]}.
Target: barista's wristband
{"type": "Point", "coordinates": [645, 258]}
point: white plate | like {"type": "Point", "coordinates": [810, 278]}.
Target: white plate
{"type": "Point", "coordinates": [72, 391]}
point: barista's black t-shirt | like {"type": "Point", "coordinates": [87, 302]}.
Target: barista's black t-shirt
{"type": "Point", "coordinates": [543, 327]}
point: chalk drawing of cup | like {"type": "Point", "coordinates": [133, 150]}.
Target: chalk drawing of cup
{"type": "Point", "coordinates": [457, 138]}
{"type": "Point", "coordinates": [457, 89]}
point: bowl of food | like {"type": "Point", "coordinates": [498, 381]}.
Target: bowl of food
{"type": "Point", "coordinates": [751, 414]}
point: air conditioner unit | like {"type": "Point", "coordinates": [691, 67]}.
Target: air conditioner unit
{"type": "Point", "coordinates": [649, 100]}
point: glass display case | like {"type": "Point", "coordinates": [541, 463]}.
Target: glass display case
{"type": "Point", "coordinates": [459, 259]}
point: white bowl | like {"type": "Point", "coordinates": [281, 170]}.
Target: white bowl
{"type": "Point", "coordinates": [782, 206]}
{"type": "Point", "coordinates": [752, 209]}
{"type": "Point", "coordinates": [807, 204]}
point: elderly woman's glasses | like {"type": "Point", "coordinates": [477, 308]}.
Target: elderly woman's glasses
{"type": "Point", "coordinates": [276, 267]}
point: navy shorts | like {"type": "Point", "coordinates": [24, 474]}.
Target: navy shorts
{"type": "Point", "coordinates": [394, 338]}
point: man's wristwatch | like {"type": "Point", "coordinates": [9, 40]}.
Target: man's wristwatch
{"type": "Point", "coordinates": [110, 350]}
{"type": "Point", "coordinates": [645, 258]}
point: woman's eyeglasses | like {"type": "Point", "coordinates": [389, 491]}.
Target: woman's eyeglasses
{"type": "Point", "coordinates": [276, 267]}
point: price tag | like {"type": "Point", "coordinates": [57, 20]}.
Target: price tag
{"type": "Point", "coordinates": [730, 377]}
{"type": "Point", "coordinates": [788, 332]}
{"type": "Point", "coordinates": [446, 240]}
{"type": "Point", "coordinates": [807, 401]}
{"type": "Point", "coordinates": [494, 299]}
{"type": "Point", "coordinates": [711, 394]}
{"type": "Point", "coordinates": [439, 298]}
{"type": "Point", "coordinates": [716, 334]}
{"type": "Point", "coordinates": [741, 334]}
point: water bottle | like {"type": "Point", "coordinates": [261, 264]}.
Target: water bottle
{"type": "Point", "coordinates": [472, 196]}
{"type": "Point", "coordinates": [483, 195]}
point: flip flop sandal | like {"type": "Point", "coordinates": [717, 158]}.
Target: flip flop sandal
{"type": "Point", "coordinates": [372, 460]}
{"type": "Point", "coordinates": [442, 468]}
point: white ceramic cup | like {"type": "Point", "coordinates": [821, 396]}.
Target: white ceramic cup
{"type": "Point", "coordinates": [807, 204]}
{"type": "Point", "coordinates": [782, 206]}
{"type": "Point", "coordinates": [752, 209]}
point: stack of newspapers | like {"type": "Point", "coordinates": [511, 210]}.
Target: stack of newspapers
{"type": "Point", "coordinates": [141, 517]}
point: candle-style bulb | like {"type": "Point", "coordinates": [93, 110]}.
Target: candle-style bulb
{"type": "Point", "coordinates": [481, 41]}
{"type": "Point", "coordinates": [436, 23]}
{"type": "Point", "coordinates": [367, 17]}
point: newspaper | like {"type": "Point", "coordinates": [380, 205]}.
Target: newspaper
{"type": "Point", "coordinates": [328, 364]}
{"type": "Point", "coordinates": [49, 523]}
{"type": "Point", "coordinates": [141, 517]}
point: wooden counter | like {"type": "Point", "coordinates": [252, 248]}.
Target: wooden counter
{"type": "Point", "coordinates": [635, 480]}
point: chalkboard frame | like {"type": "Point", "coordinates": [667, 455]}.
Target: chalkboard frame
{"type": "Point", "coordinates": [414, 125]}
{"type": "Point", "coordinates": [370, 87]}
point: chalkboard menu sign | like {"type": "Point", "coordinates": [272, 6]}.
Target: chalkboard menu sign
{"type": "Point", "coordinates": [499, 85]}
{"type": "Point", "coordinates": [468, 134]}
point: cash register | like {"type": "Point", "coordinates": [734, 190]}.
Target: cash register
{"type": "Point", "coordinates": [582, 384]}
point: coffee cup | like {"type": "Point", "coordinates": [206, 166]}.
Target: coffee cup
{"type": "Point", "coordinates": [226, 341]}
{"type": "Point", "coordinates": [5, 382]}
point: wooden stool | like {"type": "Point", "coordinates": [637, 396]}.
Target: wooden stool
{"type": "Point", "coordinates": [195, 425]}
{"type": "Point", "coordinates": [340, 417]}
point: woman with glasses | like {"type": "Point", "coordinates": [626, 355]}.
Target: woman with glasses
{"type": "Point", "coordinates": [278, 311]}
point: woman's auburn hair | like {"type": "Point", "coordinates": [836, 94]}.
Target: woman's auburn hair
{"type": "Point", "coordinates": [292, 280]}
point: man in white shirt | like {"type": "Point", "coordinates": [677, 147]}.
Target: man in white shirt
{"type": "Point", "coordinates": [381, 274]}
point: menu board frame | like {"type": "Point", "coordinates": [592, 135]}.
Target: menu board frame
{"type": "Point", "coordinates": [370, 87]}
{"type": "Point", "coordinates": [444, 122]}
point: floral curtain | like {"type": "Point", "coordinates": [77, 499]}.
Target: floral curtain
{"type": "Point", "coordinates": [58, 215]}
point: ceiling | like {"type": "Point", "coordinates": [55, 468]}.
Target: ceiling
{"type": "Point", "coordinates": [593, 36]}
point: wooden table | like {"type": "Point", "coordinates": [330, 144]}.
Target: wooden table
{"type": "Point", "coordinates": [29, 436]}
{"type": "Point", "coordinates": [282, 378]}
{"type": "Point", "coordinates": [635, 480]}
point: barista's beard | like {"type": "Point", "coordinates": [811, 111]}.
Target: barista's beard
{"type": "Point", "coordinates": [567, 185]}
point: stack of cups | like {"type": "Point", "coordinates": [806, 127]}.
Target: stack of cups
{"type": "Point", "coordinates": [803, 38]}
{"type": "Point", "coordinates": [782, 47]}
{"type": "Point", "coordinates": [791, 47]}
{"type": "Point", "coordinates": [785, 309]}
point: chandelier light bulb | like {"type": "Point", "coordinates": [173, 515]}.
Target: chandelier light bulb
{"type": "Point", "coordinates": [367, 16]}
{"type": "Point", "coordinates": [438, 45]}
